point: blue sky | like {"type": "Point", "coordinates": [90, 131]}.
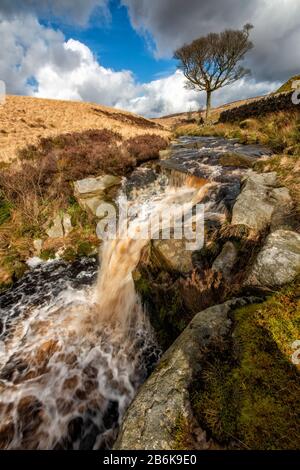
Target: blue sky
{"type": "Point", "coordinates": [119, 52]}
{"type": "Point", "coordinates": [117, 45]}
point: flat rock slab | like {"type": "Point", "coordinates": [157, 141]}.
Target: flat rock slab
{"type": "Point", "coordinates": [92, 186]}
{"type": "Point", "coordinates": [90, 192]}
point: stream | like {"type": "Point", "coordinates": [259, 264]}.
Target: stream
{"type": "Point", "coordinates": [75, 340]}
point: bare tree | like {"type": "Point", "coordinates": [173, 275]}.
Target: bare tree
{"type": "Point", "coordinates": [211, 62]}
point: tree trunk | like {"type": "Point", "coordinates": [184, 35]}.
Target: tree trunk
{"type": "Point", "coordinates": [208, 103]}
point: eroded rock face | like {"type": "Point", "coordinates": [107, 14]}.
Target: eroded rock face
{"type": "Point", "coordinates": [163, 401]}
{"type": "Point", "coordinates": [278, 262]}
{"type": "Point", "coordinates": [174, 255]}
{"type": "Point", "coordinates": [260, 202]}
{"type": "Point", "coordinates": [60, 227]}
{"type": "Point", "coordinates": [91, 192]}
{"type": "Point", "coordinates": [56, 229]}
{"type": "Point", "coordinates": [226, 260]}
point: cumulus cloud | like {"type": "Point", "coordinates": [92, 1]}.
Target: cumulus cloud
{"type": "Point", "coordinates": [77, 11]}
{"type": "Point", "coordinates": [276, 36]}
{"type": "Point", "coordinates": [39, 61]}
{"type": "Point", "coordinates": [68, 70]}
{"type": "Point", "coordinates": [89, 81]}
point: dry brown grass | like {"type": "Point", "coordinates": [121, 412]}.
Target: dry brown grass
{"type": "Point", "coordinates": [25, 120]}
{"type": "Point", "coordinates": [177, 119]}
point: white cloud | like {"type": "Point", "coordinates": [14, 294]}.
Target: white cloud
{"type": "Point", "coordinates": [276, 34]}
{"type": "Point", "coordinates": [39, 61]}
{"type": "Point", "coordinates": [71, 11]}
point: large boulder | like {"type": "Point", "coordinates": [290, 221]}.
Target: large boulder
{"type": "Point", "coordinates": [260, 201]}
{"type": "Point", "coordinates": [173, 255]}
{"type": "Point", "coordinates": [278, 262]}
{"type": "Point", "coordinates": [91, 192]}
{"type": "Point", "coordinates": [163, 403]}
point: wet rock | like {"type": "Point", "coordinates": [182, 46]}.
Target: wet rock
{"type": "Point", "coordinates": [237, 160]}
{"type": "Point", "coordinates": [90, 192]}
{"type": "Point", "coordinates": [260, 201]}
{"type": "Point", "coordinates": [163, 400]}
{"type": "Point", "coordinates": [226, 260]}
{"type": "Point", "coordinates": [29, 415]}
{"type": "Point", "coordinates": [174, 255]}
{"type": "Point", "coordinates": [111, 414]}
{"type": "Point", "coordinates": [278, 262]}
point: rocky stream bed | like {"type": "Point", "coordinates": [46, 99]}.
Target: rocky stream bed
{"type": "Point", "coordinates": [65, 386]}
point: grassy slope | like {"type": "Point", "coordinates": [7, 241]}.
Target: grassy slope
{"type": "Point", "coordinates": [288, 85]}
{"type": "Point", "coordinates": [251, 393]}
{"type": "Point", "coordinates": [54, 143]}
{"type": "Point", "coordinates": [174, 120]}
{"type": "Point", "coordinates": [24, 120]}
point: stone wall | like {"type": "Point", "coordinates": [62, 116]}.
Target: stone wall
{"type": "Point", "coordinates": [260, 107]}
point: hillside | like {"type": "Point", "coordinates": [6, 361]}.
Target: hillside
{"type": "Point", "coordinates": [180, 118]}
{"type": "Point", "coordinates": [24, 120]}
{"type": "Point", "coordinates": [287, 86]}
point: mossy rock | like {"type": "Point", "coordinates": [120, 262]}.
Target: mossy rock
{"type": "Point", "coordinates": [248, 394]}
{"type": "Point", "coordinates": [164, 304]}
{"type": "Point", "coordinates": [236, 160]}
{"type": "Point", "coordinates": [47, 254]}
{"type": "Point", "coordinates": [85, 248]}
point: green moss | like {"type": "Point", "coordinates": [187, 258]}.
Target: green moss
{"type": "Point", "coordinates": [69, 254]}
{"type": "Point", "coordinates": [182, 434]}
{"type": "Point", "coordinates": [78, 216]}
{"type": "Point", "coordinates": [85, 248]}
{"type": "Point", "coordinates": [143, 287]}
{"type": "Point", "coordinates": [47, 254]}
{"type": "Point", "coordinates": [12, 268]}
{"type": "Point", "coordinates": [236, 160]}
{"type": "Point", "coordinates": [287, 86]}
{"type": "Point", "coordinates": [5, 209]}
{"type": "Point", "coordinates": [249, 393]}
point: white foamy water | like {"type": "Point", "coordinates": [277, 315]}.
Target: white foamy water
{"type": "Point", "coordinates": [76, 344]}
{"type": "Point", "coordinates": [72, 358]}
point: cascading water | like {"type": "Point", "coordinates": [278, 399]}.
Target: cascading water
{"type": "Point", "coordinates": [74, 345]}
{"type": "Point", "coordinates": [71, 364]}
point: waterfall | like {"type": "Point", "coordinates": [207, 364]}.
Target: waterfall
{"type": "Point", "coordinates": [71, 365]}
{"type": "Point", "coordinates": [75, 344]}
